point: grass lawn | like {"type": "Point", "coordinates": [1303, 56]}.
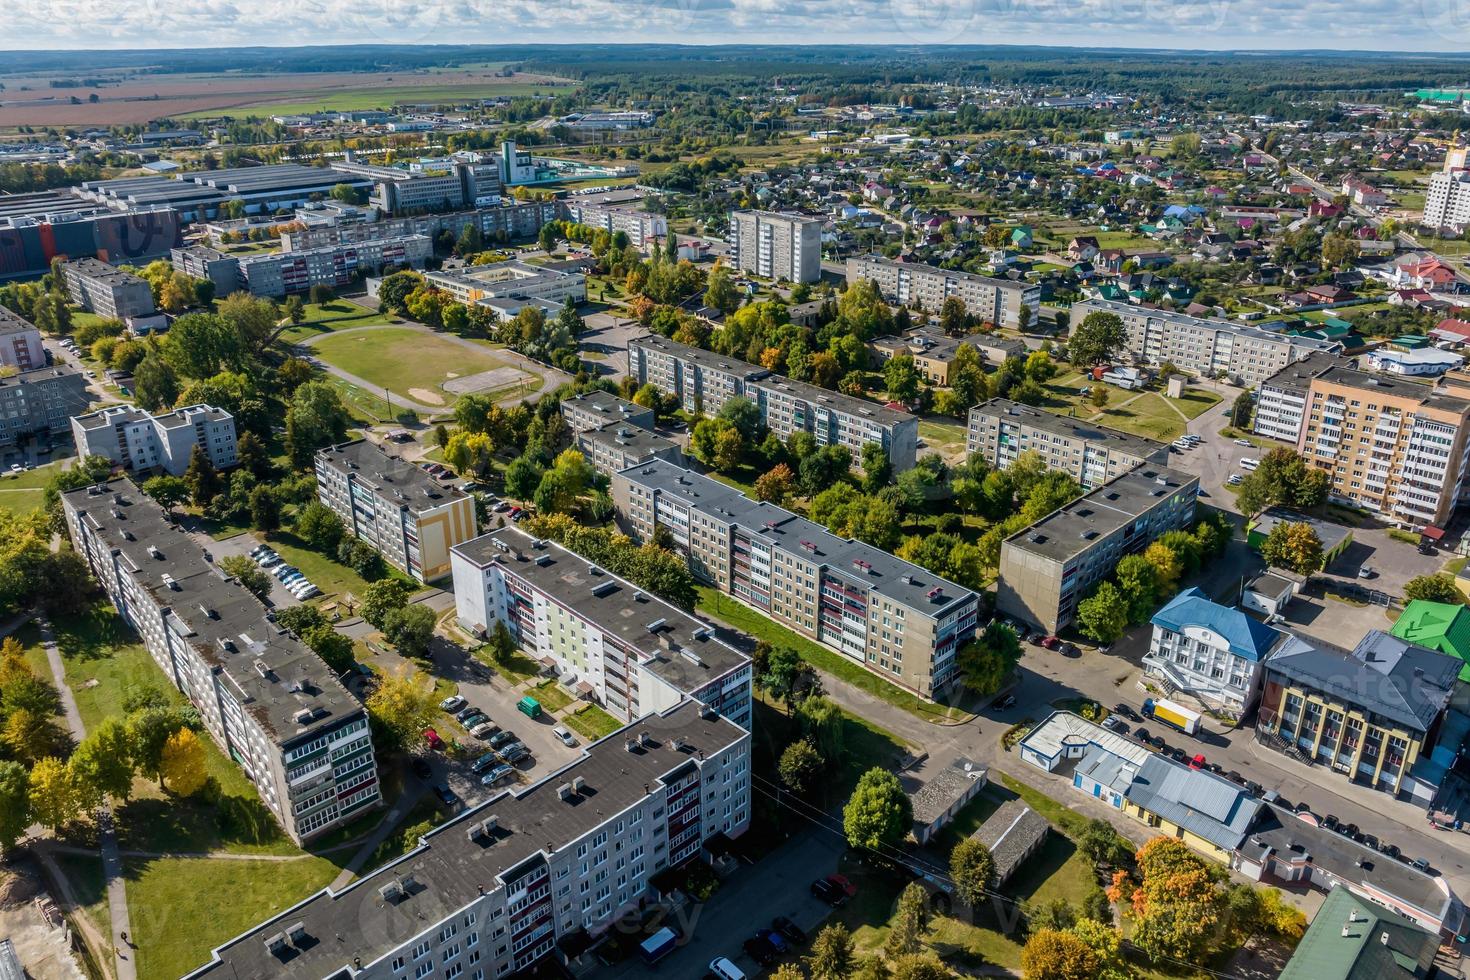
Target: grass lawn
{"type": "Point", "coordinates": [1067, 820]}
{"type": "Point", "coordinates": [337, 315]}
{"type": "Point", "coordinates": [518, 669]}
{"type": "Point", "coordinates": [407, 362]}
{"type": "Point", "coordinates": [365, 406]}
{"type": "Point", "coordinates": [550, 695]}
{"type": "Point", "coordinates": [947, 437]}
{"type": "Point", "coordinates": [1196, 402]}
{"type": "Point", "coordinates": [375, 97]}
{"type": "Point", "coordinates": [592, 723]}
{"type": "Point", "coordinates": [181, 908]}
{"type": "Point", "coordinates": [88, 884]}
{"type": "Point", "coordinates": [19, 501]}
{"type": "Point", "coordinates": [744, 618]}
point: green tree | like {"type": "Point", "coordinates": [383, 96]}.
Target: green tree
{"type": "Point", "coordinates": [104, 760]}
{"type": "Point", "coordinates": [877, 467]}
{"type": "Point", "coordinates": [319, 527]}
{"type": "Point", "coordinates": [879, 812]}
{"type": "Point", "coordinates": [202, 478]}
{"type": "Point", "coordinates": [720, 292]}
{"type": "Point", "coordinates": [1103, 616]}
{"type": "Point", "coordinates": [169, 491]}
{"type": "Point", "coordinates": [265, 508]}
{"type": "Point", "coordinates": [1099, 396]}
{"type": "Point", "coordinates": [15, 804]}
{"type": "Point", "coordinates": [1293, 546]}
{"type": "Point", "coordinates": [901, 378]}
{"type": "Point", "coordinates": [400, 708]}
{"type": "Point", "coordinates": [776, 484]}
{"type": "Point", "coordinates": [1434, 588]}
{"type": "Point", "coordinates": [1098, 338]}
{"type": "Point", "coordinates": [800, 766]}
{"type": "Point", "coordinates": [502, 644]}
{"type": "Point", "coordinates": [1138, 582]}
{"type": "Point", "coordinates": [1051, 954]}
{"type": "Point", "coordinates": [1040, 367]}
{"type": "Point", "coordinates": [918, 966]}
{"type": "Point", "coordinates": [148, 730]}
{"type": "Point", "coordinates": [987, 662]}
{"type": "Point", "coordinates": [971, 868]}
{"type": "Point", "coordinates": [250, 575]}
{"type": "Point", "coordinates": [909, 923]}
{"type": "Point", "coordinates": [410, 629]}
{"type": "Point", "coordinates": [335, 649]}
{"type": "Point", "coordinates": [315, 418]}
{"type": "Point", "coordinates": [382, 598]}
{"type": "Point", "coordinates": [832, 953]}
{"type": "Point", "coordinates": [1242, 409]}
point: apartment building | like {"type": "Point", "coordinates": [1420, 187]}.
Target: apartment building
{"type": "Point", "coordinates": [991, 300]}
{"type": "Point", "coordinates": [776, 246]}
{"type": "Point", "coordinates": [1001, 429]}
{"type": "Point", "coordinates": [271, 704]}
{"type": "Point", "coordinates": [511, 280]}
{"type": "Point", "coordinates": [896, 619]}
{"type": "Point", "coordinates": [632, 652]}
{"type": "Point", "coordinates": [411, 518]}
{"type": "Point", "coordinates": [1396, 447]}
{"type": "Point", "coordinates": [619, 445]}
{"type": "Point", "coordinates": [1047, 568]}
{"type": "Point", "coordinates": [20, 342]}
{"type": "Point", "coordinates": [704, 381]}
{"type": "Point", "coordinates": [595, 409]}
{"type": "Point", "coordinates": [203, 262]}
{"type": "Point", "coordinates": [1281, 401]}
{"type": "Point", "coordinates": [1447, 201]}
{"type": "Point", "coordinates": [443, 185]}
{"type": "Point", "coordinates": [497, 888]}
{"type": "Point", "coordinates": [1367, 714]}
{"type": "Point", "coordinates": [106, 290]}
{"type": "Point", "coordinates": [501, 222]}
{"type": "Point", "coordinates": [617, 213]}
{"type": "Point", "coordinates": [1248, 355]}
{"type": "Point", "coordinates": [142, 443]}
{"type": "Point", "coordinates": [280, 273]}
{"type": "Point", "coordinates": [41, 402]}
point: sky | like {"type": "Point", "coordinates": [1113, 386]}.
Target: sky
{"type": "Point", "coordinates": [1371, 25]}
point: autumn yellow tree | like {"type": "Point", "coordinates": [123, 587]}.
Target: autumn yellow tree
{"type": "Point", "coordinates": [182, 766]}
{"type": "Point", "coordinates": [55, 801]}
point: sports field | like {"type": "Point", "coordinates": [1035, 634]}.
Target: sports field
{"type": "Point", "coordinates": [412, 363]}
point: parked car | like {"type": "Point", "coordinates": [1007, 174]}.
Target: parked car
{"type": "Point", "coordinates": [1198, 762]}
{"type": "Point", "coordinates": [1366, 572]}
{"type": "Point", "coordinates": [1142, 735]}
{"type": "Point", "coordinates": [496, 775]}
{"type": "Point", "coordinates": [566, 737]}
{"type": "Point", "coordinates": [1421, 864]}
{"type": "Point", "coordinates": [502, 738]}
{"type": "Point", "coordinates": [789, 929]}
{"type": "Point", "coordinates": [1126, 712]}
{"type": "Point", "coordinates": [452, 703]}
{"type": "Point", "coordinates": [484, 729]}
{"type": "Point", "coordinates": [484, 762]}
{"type": "Point", "coordinates": [1243, 442]}
{"type": "Point", "coordinates": [466, 712]}
{"type": "Point", "coordinates": [1007, 702]}
{"type": "Point", "coordinates": [476, 719]}
{"type": "Point", "coordinates": [1330, 822]}
{"type": "Point", "coordinates": [1391, 850]}
{"type": "Point", "coordinates": [446, 795]}
{"type": "Point", "coordinates": [421, 767]}
{"type": "Point", "coordinates": [823, 890]}
{"type": "Point", "coordinates": [759, 950]}
{"type": "Point", "coordinates": [1235, 480]}
{"type": "Point", "coordinates": [773, 937]}
{"type": "Point", "coordinates": [515, 752]}
{"type": "Point", "coordinates": [306, 591]}
{"type": "Point", "coordinates": [848, 888]}
{"type": "Point", "coordinates": [1371, 840]}
{"type": "Point", "coordinates": [1051, 642]}
{"type": "Point", "coordinates": [432, 737]}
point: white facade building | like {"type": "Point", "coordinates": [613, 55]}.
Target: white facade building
{"type": "Point", "coordinates": [1210, 651]}
{"type": "Point", "coordinates": [140, 442]}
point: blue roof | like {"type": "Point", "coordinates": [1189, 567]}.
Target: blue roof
{"type": "Point", "coordinates": [1248, 638]}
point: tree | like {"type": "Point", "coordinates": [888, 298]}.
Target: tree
{"type": "Point", "coordinates": [1167, 565]}
{"type": "Point", "coordinates": [987, 661]}
{"type": "Point", "coordinates": [1096, 339]}
{"type": "Point", "coordinates": [294, 309]}
{"type": "Point", "coordinates": [381, 598]}
{"type": "Point", "coordinates": [954, 319]}
{"type": "Point", "coordinates": [971, 868]}
{"type": "Point", "coordinates": [1103, 616]}
{"type": "Point", "coordinates": [104, 762]}
{"type": "Point", "coordinates": [800, 766]}
{"type": "Point", "coordinates": [1241, 410]}
{"type": "Point", "coordinates": [785, 676]}
{"type": "Point", "coordinates": [154, 383]}
{"type": "Point", "coordinates": [15, 804]}
{"type": "Point", "coordinates": [522, 477]}
{"type": "Point", "coordinates": [502, 644]}
{"type": "Point", "coordinates": [202, 478]}
{"type": "Point", "coordinates": [335, 649]}
{"type": "Point", "coordinates": [918, 966]}
{"type": "Point", "coordinates": [53, 794]}
{"type": "Point", "coordinates": [1178, 904]}
{"type": "Point", "coordinates": [265, 508]}
{"type": "Point", "coordinates": [1040, 367]}
{"type": "Point", "coordinates": [910, 921]}
{"type": "Point", "coordinates": [776, 484]}
{"type": "Point", "coordinates": [252, 576]}
{"type": "Point", "coordinates": [901, 378]}
{"type": "Point", "coordinates": [1434, 588]}
{"type": "Point", "coordinates": [315, 418]}
{"type": "Point", "coordinates": [879, 812]}
{"type": "Point", "coordinates": [182, 765]}
{"type": "Point", "coordinates": [1138, 583]}
{"type": "Point", "coordinates": [401, 707]}
{"type": "Point", "coordinates": [148, 731]}
{"type": "Point", "coordinates": [1293, 546]}
{"type": "Point", "coordinates": [1055, 955]}
{"type": "Point", "coordinates": [877, 467]}
{"type": "Point", "coordinates": [169, 491]}
{"type": "Point", "coordinates": [410, 629]}
{"type": "Point", "coordinates": [1100, 395]}
{"type": "Point", "coordinates": [320, 527]}
{"type": "Point", "coordinates": [720, 292]}
{"type": "Point", "coordinates": [788, 971]}
{"type": "Point", "coordinates": [1101, 842]}
{"type": "Point", "coordinates": [832, 953]}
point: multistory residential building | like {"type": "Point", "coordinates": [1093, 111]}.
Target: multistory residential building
{"type": "Point", "coordinates": [619, 445]}
{"type": "Point", "coordinates": [1246, 354]}
{"type": "Point", "coordinates": [203, 262]}
{"type": "Point", "coordinates": [776, 246]}
{"type": "Point", "coordinates": [495, 889]}
{"type": "Point", "coordinates": [896, 619]}
{"type": "Point", "coordinates": [41, 402]}
{"type": "Point", "coordinates": [617, 213]}
{"type": "Point", "coordinates": [499, 223]}
{"type": "Point", "coordinates": [410, 517]}
{"type": "Point", "coordinates": [141, 443]}
{"type": "Point", "coordinates": [629, 650]}
{"type": "Point", "coordinates": [20, 342]}
{"type": "Point", "coordinates": [1447, 201]}
{"type": "Point", "coordinates": [702, 380]}
{"type": "Point", "coordinates": [1368, 714]}
{"type": "Point", "coordinates": [279, 273]}
{"type": "Point", "coordinates": [107, 290]}
{"type": "Point", "coordinates": [1211, 652]}
{"type": "Point", "coordinates": [1399, 448]}
{"type": "Point", "coordinates": [1001, 429]}
{"type": "Point", "coordinates": [1050, 566]}
{"type": "Point", "coordinates": [594, 409]}
{"type": "Point", "coordinates": [991, 300]}
{"type": "Point", "coordinates": [1281, 400]}
{"type": "Point", "coordinates": [272, 705]}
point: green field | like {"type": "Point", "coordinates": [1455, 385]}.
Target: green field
{"type": "Point", "coordinates": [1146, 413]}
{"type": "Point", "coordinates": [411, 363]}
{"type": "Point", "coordinates": [332, 577]}
{"type": "Point", "coordinates": [351, 99]}
{"type": "Point", "coordinates": [336, 315]}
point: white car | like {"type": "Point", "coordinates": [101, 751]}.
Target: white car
{"type": "Point", "coordinates": [17, 469]}
{"type": "Point", "coordinates": [1243, 442]}
{"type": "Point", "coordinates": [567, 738]}
{"type": "Point", "coordinates": [452, 703]}
{"type": "Point", "coordinates": [1235, 480]}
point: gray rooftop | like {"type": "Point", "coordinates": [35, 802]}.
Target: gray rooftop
{"type": "Point", "coordinates": [862, 564]}
{"type": "Point", "coordinates": [452, 868]}
{"type": "Point", "coordinates": [53, 372]}
{"type": "Point", "coordinates": [941, 790]}
{"type": "Point", "coordinates": [934, 270]}
{"type": "Point", "coordinates": [683, 650]}
{"type": "Point", "coordinates": [1060, 425]}
{"type": "Point", "coordinates": [390, 476]}
{"type": "Point", "coordinates": [1076, 527]}
{"type": "Point", "coordinates": [99, 271]}
{"type": "Point", "coordinates": [1331, 535]}
{"type": "Point", "coordinates": [836, 401]}
{"type": "Point", "coordinates": [1397, 387]}
{"type": "Point", "coordinates": [1298, 375]}
{"type": "Point", "coordinates": [707, 360]}
{"type": "Point", "coordinates": [604, 403]}
{"type": "Point", "coordinates": [1201, 802]}
{"type": "Point", "coordinates": [629, 438]}
{"type": "Point", "coordinates": [11, 322]}
{"type": "Point", "coordinates": [1010, 834]}
{"type": "Point", "coordinates": [273, 674]}
{"type": "Point", "coordinates": [1211, 323]}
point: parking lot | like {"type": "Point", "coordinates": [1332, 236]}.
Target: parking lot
{"type": "Point", "coordinates": [607, 339]}
{"type": "Point", "coordinates": [240, 544]}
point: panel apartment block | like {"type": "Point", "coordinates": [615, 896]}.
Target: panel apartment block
{"type": "Point", "coordinates": [1047, 568]}
{"type": "Point", "coordinates": [630, 651]}
{"type": "Point", "coordinates": [337, 265]}
{"type": "Point", "coordinates": [619, 445]}
{"type": "Point", "coordinates": [898, 620]}
{"type": "Point", "coordinates": [203, 262]}
{"type": "Point", "coordinates": [594, 409]}
{"type": "Point", "coordinates": [492, 891]}
{"type": "Point", "coordinates": [140, 442]}
{"type": "Point", "coordinates": [1002, 429]}
{"type": "Point", "coordinates": [41, 401]}
{"type": "Point", "coordinates": [411, 518]}
{"type": "Point", "coordinates": [1397, 447]}
{"type": "Point", "coordinates": [106, 290]}
{"type": "Point", "coordinates": [20, 342]}
{"type": "Point", "coordinates": [1281, 403]}
{"type": "Point", "coordinates": [997, 301]}
{"type": "Point", "coordinates": [617, 215]}
{"type": "Point", "coordinates": [271, 704]}
{"type": "Point", "coordinates": [507, 220]}
{"type": "Point", "coordinates": [1247, 354]}
{"type": "Point", "coordinates": [702, 380]}
{"type": "Point", "coordinates": [776, 246]}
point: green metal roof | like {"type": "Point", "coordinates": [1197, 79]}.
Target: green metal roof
{"type": "Point", "coordinates": [1354, 939]}
{"type": "Point", "coordinates": [1440, 626]}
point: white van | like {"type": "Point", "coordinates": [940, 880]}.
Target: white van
{"type": "Point", "coordinates": [1249, 464]}
{"type": "Point", "coordinates": [725, 970]}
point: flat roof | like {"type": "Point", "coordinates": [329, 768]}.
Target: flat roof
{"type": "Point", "coordinates": [99, 271]}
{"type": "Point", "coordinates": [604, 403]}
{"type": "Point", "coordinates": [390, 476]}
{"type": "Point", "coordinates": [272, 673]}
{"type": "Point", "coordinates": [860, 564]}
{"type": "Point", "coordinates": [1297, 376]}
{"type": "Point", "coordinates": [1073, 528]}
{"type": "Point", "coordinates": [451, 868]}
{"type": "Point", "coordinates": [1060, 425]}
{"type": "Point", "coordinates": [1065, 729]}
{"type": "Point", "coordinates": [52, 372]}
{"type": "Point", "coordinates": [934, 270]}
{"type": "Point", "coordinates": [708, 360]}
{"type": "Point", "coordinates": [683, 650]}
{"type": "Point", "coordinates": [11, 322]}
{"type": "Point", "coordinates": [1331, 535]}
{"type": "Point", "coordinates": [835, 401]}
{"type": "Point", "coordinates": [1213, 323]}
{"type": "Point", "coordinates": [1425, 394]}
{"type": "Point", "coordinates": [629, 438]}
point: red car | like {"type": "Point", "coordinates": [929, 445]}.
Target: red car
{"type": "Point", "coordinates": [432, 737]}
{"type": "Point", "coordinates": [1198, 762]}
{"type": "Point", "coordinates": [840, 881]}
{"type": "Point", "coordinates": [1050, 642]}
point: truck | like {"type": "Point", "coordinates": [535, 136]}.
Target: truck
{"type": "Point", "coordinates": [1173, 715]}
{"type": "Point", "coordinates": [659, 945]}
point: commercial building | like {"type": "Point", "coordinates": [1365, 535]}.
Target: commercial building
{"type": "Point", "coordinates": [1398, 448]}
{"type": "Point", "coordinates": [1281, 402]}
{"type": "Point", "coordinates": [619, 445]}
{"type": "Point", "coordinates": [1367, 714]}
{"type": "Point", "coordinates": [607, 639]}
{"type": "Point", "coordinates": [617, 212]}
{"type": "Point", "coordinates": [932, 351]}
{"type": "Point", "coordinates": [898, 620]}
{"type": "Point", "coordinates": [141, 443]}
{"type": "Point", "coordinates": [1211, 652]}
{"type": "Point", "coordinates": [20, 342]}
{"type": "Point", "coordinates": [1049, 567]}
{"type": "Point", "coordinates": [280, 273]}
{"type": "Point", "coordinates": [1439, 626]}
{"type": "Point", "coordinates": [106, 290]}
{"type": "Point", "coordinates": [599, 121]}
{"type": "Point", "coordinates": [776, 246]}
{"type": "Point", "coordinates": [36, 228]}
{"type": "Point", "coordinates": [506, 286]}
{"type": "Point", "coordinates": [40, 402]}
{"type": "Point", "coordinates": [1001, 429]}
{"type": "Point", "coordinates": [1351, 938]}
{"type": "Point", "coordinates": [436, 185]}
{"type": "Point", "coordinates": [704, 381]}
{"type": "Point", "coordinates": [1423, 362]}
{"type": "Point", "coordinates": [497, 888]}
{"type": "Point", "coordinates": [271, 704]}
{"type": "Point", "coordinates": [991, 300]}
{"type": "Point", "coordinates": [1248, 355]}
{"type": "Point", "coordinates": [594, 409]}
{"type": "Point", "coordinates": [411, 518]}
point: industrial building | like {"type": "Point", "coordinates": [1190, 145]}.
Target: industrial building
{"type": "Point", "coordinates": [199, 194]}
{"type": "Point", "coordinates": [438, 185]}
{"type": "Point", "coordinates": [142, 443]}
{"type": "Point", "coordinates": [988, 299]}
{"type": "Point", "coordinates": [1001, 429]}
{"type": "Point", "coordinates": [776, 246]}
{"type": "Point", "coordinates": [502, 222]}
{"type": "Point", "coordinates": [36, 228]}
